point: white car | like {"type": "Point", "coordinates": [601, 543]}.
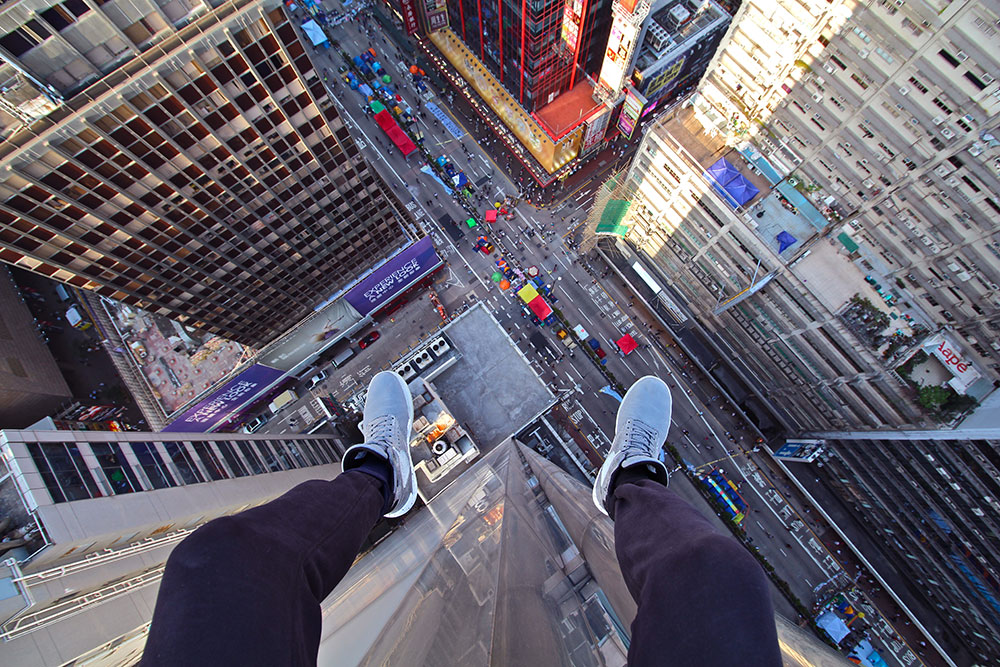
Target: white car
{"type": "Point", "coordinates": [317, 379]}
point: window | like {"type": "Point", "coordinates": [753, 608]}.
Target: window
{"type": "Point", "coordinates": [975, 80]}
{"type": "Point", "coordinates": [270, 460]}
{"type": "Point", "coordinates": [210, 460]}
{"type": "Point", "coordinates": [25, 38]}
{"type": "Point", "coordinates": [153, 465]}
{"type": "Point", "coordinates": [186, 468]}
{"type": "Point", "coordinates": [838, 62]}
{"type": "Point", "coordinates": [858, 80]}
{"type": "Point", "coordinates": [950, 59]}
{"type": "Point", "coordinates": [940, 104]}
{"type": "Point", "coordinates": [117, 470]}
{"type": "Point", "coordinates": [865, 132]}
{"type": "Point", "coordinates": [253, 460]}
{"type": "Point", "coordinates": [63, 471]}
{"type": "Point", "coordinates": [232, 459]}
{"type": "Point", "coordinates": [293, 449]}
{"type": "Point", "coordinates": [915, 82]}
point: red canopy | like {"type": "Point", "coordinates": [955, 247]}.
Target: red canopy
{"type": "Point", "coordinates": [626, 344]}
{"type": "Point", "coordinates": [539, 307]}
{"type": "Point", "coordinates": [491, 215]}
{"type": "Point", "coordinates": [395, 132]}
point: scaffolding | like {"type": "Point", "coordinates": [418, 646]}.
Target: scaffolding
{"type": "Point", "coordinates": [611, 205]}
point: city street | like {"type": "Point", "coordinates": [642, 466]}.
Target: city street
{"type": "Point", "coordinates": [706, 431]}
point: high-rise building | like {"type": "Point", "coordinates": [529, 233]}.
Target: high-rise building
{"type": "Point", "coordinates": [96, 514]}
{"type": "Point", "coordinates": [183, 157]}
{"type": "Point", "coordinates": [31, 384]}
{"type": "Point", "coordinates": [886, 116]}
{"type": "Point", "coordinates": [869, 242]}
{"type": "Point", "coordinates": [528, 75]}
{"type": "Point", "coordinates": [656, 52]}
{"type": "Point", "coordinates": [930, 508]}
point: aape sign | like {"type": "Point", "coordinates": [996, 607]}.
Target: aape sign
{"type": "Point", "coordinates": [950, 358]}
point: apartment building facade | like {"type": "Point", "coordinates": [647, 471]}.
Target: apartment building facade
{"type": "Point", "coordinates": [183, 157]}
{"type": "Point", "coordinates": [931, 504]}
{"type": "Point", "coordinates": [103, 510]}
{"type": "Point", "coordinates": [717, 266]}
{"type": "Point", "coordinates": [887, 114]}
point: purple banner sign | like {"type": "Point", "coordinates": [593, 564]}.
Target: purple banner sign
{"type": "Point", "coordinates": [394, 276]}
{"type": "Point", "coordinates": [207, 414]}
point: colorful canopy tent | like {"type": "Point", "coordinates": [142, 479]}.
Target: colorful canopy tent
{"type": "Point", "coordinates": [730, 183]}
{"type": "Point", "coordinates": [540, 308]}
{"type": "Point", "coordinates": [527, 293]}
{"type": "Point", "coordinates": [315, 33]}
{"type": "Point", "coordinates": [491, 215]}
{"type": "Point", "coordinates": [395, 132]}
{"type": "Point", "coordinates": [626, 344]}
{"type": "Point", "coordinates": [833, 626]}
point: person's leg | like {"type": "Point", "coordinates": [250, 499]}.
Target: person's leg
{"type": "Point", "coordinates": [246, 589]}
{"type": "Point", "coordinates": [702, 598]}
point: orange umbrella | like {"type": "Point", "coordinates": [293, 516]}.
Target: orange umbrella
{"type": "Point", "coordinates": [504, 284]}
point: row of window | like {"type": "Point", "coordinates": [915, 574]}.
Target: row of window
{"type": "Point", "coordinates": [68, 475]}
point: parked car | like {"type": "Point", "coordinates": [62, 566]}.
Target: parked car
{"type": "Point", "coordinates": [317, 379]}
{"type": "Point", "coordinates": [368, 340]}
{"type": "Point", "coordinates": [254, 424]}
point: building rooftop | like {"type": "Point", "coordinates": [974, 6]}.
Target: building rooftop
{"type": "Point", "coordinates": [568, 110]}
{"type": "Point", "coordinates": [669, 34]}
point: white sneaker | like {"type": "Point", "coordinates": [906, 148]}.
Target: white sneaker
{"type": "Point", "coordinates": [640, 431]}
{"type": "Point", "coordinates": [386, 425]}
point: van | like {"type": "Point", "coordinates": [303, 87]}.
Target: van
{"type": "Point", "coordinates": [343, 356]}
{"type": "Point", "coordinates": [281, 400]}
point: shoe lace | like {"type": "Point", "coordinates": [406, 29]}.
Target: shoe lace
{"type": "Point", "coordinates": [380, 429]}
{"type": "Point", "coordinates": [641, 439]}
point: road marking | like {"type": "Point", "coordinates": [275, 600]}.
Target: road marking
{"type": "Point", "coordinates": [573, 368]}
{"type": "Point", "coordinates": [584, 316]}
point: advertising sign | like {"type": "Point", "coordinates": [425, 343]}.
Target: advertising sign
{"type": "Point", "coordinates": [663, 82]}
{"type": "Point", "coordinates": [436, 13]}
{"type": "Point", "coordinates": [618, 57]}
{"type": "Point", "coordinates": [631, 110]}
{"type": "Point", "coordinates": [951, 357]}
{"type": "Point", "coordinates": [596, 127]}
{"type": "Point", "coordinates": [393, 277]}
{"type": "Point", "coordinates": [571, 24]}
{"type": "Point", "coordinates": [222, 403]}
{"type": "Point", "coordinates": [409, 16]}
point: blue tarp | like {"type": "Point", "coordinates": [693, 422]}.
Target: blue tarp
{"type": "Point", "coordinates": [785, 241]}
{"type": "Point", "coordinates": [314, 33]}
{"type": "Point", "coordinates": [867, 655]}
{"type": "Point", "coordinates": [730, 183]}
{"type": "Point", "coordinates": [833, 626]}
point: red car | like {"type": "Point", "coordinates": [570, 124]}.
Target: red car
{"type": "Point", "coordinates": [368, 340]}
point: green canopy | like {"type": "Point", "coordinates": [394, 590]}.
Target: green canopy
{"type": "Point", "coordinates": [386, 79]}
{"type": "Point", "coordinates": [377, 106]}
{"type": "Point", "coordinates": [471, 222]}
{"type": "Point", "coordinates": [496, 276]}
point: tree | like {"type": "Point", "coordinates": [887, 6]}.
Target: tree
{"type": "Point", "coordinates": [933, 397]}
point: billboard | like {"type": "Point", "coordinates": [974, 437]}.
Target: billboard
{"type": "Point", "coordinates": [663, 82]}
{"type": "Point", "coordinates": [393, 277]}
{"type": "Point", "coordinates": [571, 24]}
{"type": "Point", "coordinates": [409, 16]}
{"type": "Point", "coordinates": [225, 401]}
{"type": "Point", "coordinates": [631, 110]}
{"type": "Point", "coordinates": [436, 13]}
{"type": "Point", "coordinates": [618, 57]}
{"type": "Point", "coordinates": [597, 125]}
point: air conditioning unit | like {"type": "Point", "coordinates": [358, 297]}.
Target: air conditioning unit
{"type": "Point", "coordinates": [986, 78]}
{"type": "Point", "coordinates": [962, 55]}
{"type": "Point", "coordinates": [864, 53]}
{"type": "Point", "coordinates": [864, 161]}
{"type": "Point", "coordinates": [817, 97]}
{"type": "Point", "coordinates": [947, 133]}
{"type": "Point", "coordinates": [914, 120]}
{"type": "Point", "coordinates": [904, 91]}
{"type": "Point", "coordinates": [439, 346]}
{"type": "Point", "coordinates": [969, 118]}
{"type": "Point", "coordinates": [423, 360]}
{"type": "Point", "coordinates": [439, 447]}
{"type": "Point", "coordinates": [829, 68]}
{"type": "Point", "coordinates": [408, 371]}
{"type": "Point", "coordinates": [937, 120]}
{"type": "Point", "coordinates": [952, 181]}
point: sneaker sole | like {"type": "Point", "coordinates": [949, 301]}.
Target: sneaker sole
{"type": "Point", "coordinates": [406, 506]}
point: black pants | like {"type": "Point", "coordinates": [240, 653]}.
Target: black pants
{"type": "Point", "coordinates": [246, 589]}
